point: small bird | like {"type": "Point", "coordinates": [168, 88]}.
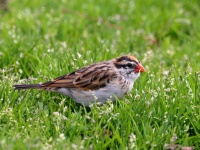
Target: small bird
{"type": "Point", "coordinates": [98, 82]}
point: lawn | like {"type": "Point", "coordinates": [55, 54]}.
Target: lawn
{"type": "Point", "coordinates": [41, 40]}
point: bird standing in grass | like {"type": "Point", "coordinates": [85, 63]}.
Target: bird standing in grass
{"type": "Point", "coordinates": [97, 82]}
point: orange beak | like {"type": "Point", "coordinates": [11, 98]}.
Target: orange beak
{"type": "Point", "coordinates": [139, 68]}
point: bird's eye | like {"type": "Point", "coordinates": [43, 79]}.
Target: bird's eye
{"type": "Point", "coordinates": [130, 65]}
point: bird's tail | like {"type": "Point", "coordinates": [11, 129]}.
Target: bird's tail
{"type": "Point", "coordinates": [27, 86]}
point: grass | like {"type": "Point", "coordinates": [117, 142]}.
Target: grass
{"type": "Point", "coordinates": [41, 40]}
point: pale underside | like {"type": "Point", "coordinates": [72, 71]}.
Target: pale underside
{"type": "Point", "coordinates": [110, 92]}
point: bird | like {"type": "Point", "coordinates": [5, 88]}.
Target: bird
{"type": "Point", "coordinates": [95, 83]}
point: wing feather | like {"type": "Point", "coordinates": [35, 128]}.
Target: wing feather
{"type": "Point", "coordinates": [88, 78]}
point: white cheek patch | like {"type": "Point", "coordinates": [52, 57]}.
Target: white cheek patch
{"type": "Point", "coordinates": [126, 73]}
{"type": "Point", "coordinates": [135, 76]}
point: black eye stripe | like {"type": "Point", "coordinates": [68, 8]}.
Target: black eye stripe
{"type": "Point", "coordinates": [119, 66]}
{"type": "Point", "coordinates": [129, 65]}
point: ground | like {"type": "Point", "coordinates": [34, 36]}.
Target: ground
{"type": "Point", "coordinates": [41, 40]}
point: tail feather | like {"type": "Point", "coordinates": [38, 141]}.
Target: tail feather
{"type": "Point", "coordinates": [27, 86]}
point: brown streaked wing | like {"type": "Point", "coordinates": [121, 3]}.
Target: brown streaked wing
{"type": "Point", "coordinates": [88, 78]}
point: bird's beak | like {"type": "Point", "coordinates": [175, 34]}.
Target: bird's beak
{"type": "Point", "coordinates": [139, 68]}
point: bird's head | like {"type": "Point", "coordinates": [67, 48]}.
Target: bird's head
{"type": "Point", "coordinates": [129, 66]}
